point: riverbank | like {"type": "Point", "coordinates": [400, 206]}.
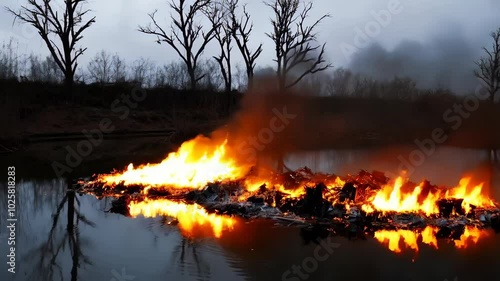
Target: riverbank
{"type": "Point", "coordinates": [39, 122]}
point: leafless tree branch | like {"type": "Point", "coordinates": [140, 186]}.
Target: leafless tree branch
{"type": "Point", "coordinates": [186, 36]}
{"type": "Point", "coordinates": [489, 67]}
{"type": "Point", "coordinates": [295, 41]}
{"type": "Point", "coordinates": [241, 28]}
{"type": "Point", "coordinates": [60, 33]}
{"type": "Point", "coordinates": [219, 18]}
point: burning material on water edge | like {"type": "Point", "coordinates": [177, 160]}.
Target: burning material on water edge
{"type": "Point", "coordinates": [355, 206]}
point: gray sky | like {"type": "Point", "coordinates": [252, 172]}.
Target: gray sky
{"type": "Point", "coordinates": [427, 23]}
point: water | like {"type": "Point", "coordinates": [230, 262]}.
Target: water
{"type": "Point", "coordinates": [105, 246]}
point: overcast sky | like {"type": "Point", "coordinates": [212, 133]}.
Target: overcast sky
{"type": "Point", "coordinates": [429, 24]}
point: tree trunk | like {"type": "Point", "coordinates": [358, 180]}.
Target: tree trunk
{"type": "Point", "coordinates": [71, 210]}
{"type": "Point", "coordinates": [68, 85]}
{"type": "Point", "coordinates": [192, 79]}
{"type": "Point", "coordinates": [229, 79]}
{"type": "Point", "coordinates": [249, 78]}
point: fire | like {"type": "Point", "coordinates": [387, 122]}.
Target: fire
{"type": "Point", "coordinates": [196, 163]}
{"type": "Point", "coordinates": [471, 196]}
{"type": "Point", "coordinates": [393, 238]}
{"type": "Point", "coordinates": [429, 236]}
{"type": "Point", "coordinates": [203, 160]}
{"type": "Point", "coordinates": [391, 198]}
{"type": "Point", "coordinates": [253, 184]}
{"type": "Point", "coordinates": [190, 216]}
{"type": "Point", "coordinates": [409, 239]}
{"type": "Point", "coordinates": [471, 236]}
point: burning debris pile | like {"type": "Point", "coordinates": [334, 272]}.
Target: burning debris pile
{"type": "Point", "coordinates": [204, 186]}
{"type": "Point", "coordinates": [354, 206]}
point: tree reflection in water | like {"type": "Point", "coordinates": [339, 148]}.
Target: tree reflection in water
{"type": "Point", "coordinates": [47, 266]}
{"type": "Point", "coordinates": [189, 257]}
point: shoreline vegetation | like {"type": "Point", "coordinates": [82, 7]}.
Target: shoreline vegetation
{"type": "Point", "coordinates": [36, 112]}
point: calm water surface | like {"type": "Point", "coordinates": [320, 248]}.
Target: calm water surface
{"type": "Point", "coordinates": [96, 245]}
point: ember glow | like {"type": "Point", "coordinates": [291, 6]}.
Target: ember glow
{"type": "Point", "coordinates": [210, 171]}
{"type": "Point", "coordinates": [470, 237]}
{"type": "Point", "coordinates": [393, 238]}
{"type": "Point", "coordinates": [429, 236]}
{"type": "Point", "coordinates": [396, 240]}
{"type": "Point", "coordinates": [391, 198]}
{"type": "Point", "coordinates": [190, 216]}
{"type": "Point", "coordinates": [196, 163]}
{"type": "Point", "coordinates": [202, 160]}
{"type": "Point", "coordinates": [472, 195]}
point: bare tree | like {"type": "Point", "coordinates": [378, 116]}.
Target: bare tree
{"type": "Point", "coordinates": [401, 88]}
{"type": "Point", "coordinates": [218, 16]}
{"type": "Point", "coordinates": [106, 68]}
{"type": "Point", "coordinates": [489, 73]}
{"type": "Point", "coordinates": [50, 70]}
{"type": "Point", "coordinates": [9, 60]}
{"type": "Point", "coordinates": [175, 74]}
{"type": "Point", "coordinates": [100, 68]}
{"type": "Point", "coordinates": [241, 29]}
{"type": "Point", "coordinates": [240, 78]}
{"type": "Point", "coordinates": [363, 86]}
{"type": "Point", "coordinates": [63, 24]}
{"type": "Point", "coordinates": [185, 33]}
{"type": "Point", "coordinates": [118, 69]}
{"type": "Point", "coordinates": [489, 66]}
{"type": "Point", "coordinates": [295, 42]}
{"type": "Point", "coordinates": [34, 72]}
{"type": "Point", "coordinates": [142, 71]}
{"type": "Point", "coordinates": [44, 70]}
{"type": "Point", "coordinates": [339, 82]}
{"type": "Point", "coordinates": [213, 80]}
{"type": "Point", "coordinates": [314, 84]}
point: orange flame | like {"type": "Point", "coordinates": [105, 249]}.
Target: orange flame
{"type": "Point", "coordinates": [393, 238]}
{"type": "Point", "coordinates": [189, 216]}
{"type": "Point", "coordinates": [471, 236]}
{"type": "Point", "coordinates": [203, 160]}
{"type": "Point", "coordinates": [253, 184]}
{"type": "Point", "coordinates": [429, 236]}
{"type": "Point", "coordinates": [409, 239]}
{"type": "Point", "coordinates": [471, 195]}
{"type": "Point", "coordinates": [392, 198]}
{"type": "Point", "coordinates": [196, 163]}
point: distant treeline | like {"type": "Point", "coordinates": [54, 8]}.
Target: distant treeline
{"type": "Point", "coordinates": [38, 95]}
{"type": "Point", "coordinates": [106, 69]}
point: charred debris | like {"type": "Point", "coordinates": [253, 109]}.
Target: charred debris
{"type": "Point", "coordinates": [320, 209]}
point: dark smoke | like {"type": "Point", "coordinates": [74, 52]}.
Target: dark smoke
{"type": "Point", "coordinates": [446, 61]}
